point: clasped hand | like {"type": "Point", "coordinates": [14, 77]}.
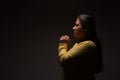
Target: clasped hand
{"type": "Point", "coordinates": [65, 39]}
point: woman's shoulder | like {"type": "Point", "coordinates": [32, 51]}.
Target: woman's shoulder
{"type": "Point", "coordinates": [88, 43]}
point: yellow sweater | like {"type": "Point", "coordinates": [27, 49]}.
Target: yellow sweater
{"type": "Point", "coordinates": [78, 63]}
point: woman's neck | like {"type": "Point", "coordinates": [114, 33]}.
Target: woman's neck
{"type": "Point", "coordinates": [82, 39]}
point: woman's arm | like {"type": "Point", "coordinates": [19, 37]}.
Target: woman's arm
{"type": "Point", "coordinates": [65, 55]}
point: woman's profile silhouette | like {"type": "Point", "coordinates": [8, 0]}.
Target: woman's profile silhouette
{"type": "Point", "coordinates": [84, 60]}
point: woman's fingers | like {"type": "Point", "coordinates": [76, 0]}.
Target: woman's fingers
{"type": "Point", "coordinates": [65, 37]}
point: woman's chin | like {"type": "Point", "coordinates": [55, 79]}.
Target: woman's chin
{"type": "Point", "coordinates": [76, 37]}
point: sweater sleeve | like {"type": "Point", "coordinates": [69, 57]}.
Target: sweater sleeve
{"type": "Point", "coordinates": [79, 50]}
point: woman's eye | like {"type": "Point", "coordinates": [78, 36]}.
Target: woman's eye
{"type": "Point", "coordinates": [76, 25]}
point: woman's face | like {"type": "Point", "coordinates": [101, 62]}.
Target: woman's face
{"type": "Point", "coordinates": [78, 30]}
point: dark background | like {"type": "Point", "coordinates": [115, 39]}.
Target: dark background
{"type": "Point", "coordinates": [30, 31]}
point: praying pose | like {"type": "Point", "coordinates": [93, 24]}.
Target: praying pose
{"type": "Point", "coordinates": [84, 60]}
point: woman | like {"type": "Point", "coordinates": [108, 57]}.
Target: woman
{"type": "Point", "coordinates": [84, 60]}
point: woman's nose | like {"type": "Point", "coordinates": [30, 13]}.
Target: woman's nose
{"type": "Point", "coordinates": [73, 27]}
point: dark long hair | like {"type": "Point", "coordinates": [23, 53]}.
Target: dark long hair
{"type": "Point", "coordinates": [88, 23]}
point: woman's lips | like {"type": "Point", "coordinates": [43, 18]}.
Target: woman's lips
{"type": "Point", "coordinates": [74, 31]}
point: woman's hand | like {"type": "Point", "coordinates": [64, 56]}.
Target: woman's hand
{"type": "Point", "coordinates": [65, 39]}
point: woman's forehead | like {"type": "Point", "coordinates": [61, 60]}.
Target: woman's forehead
{"type": "Point", "coordinates": [77, 21]}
